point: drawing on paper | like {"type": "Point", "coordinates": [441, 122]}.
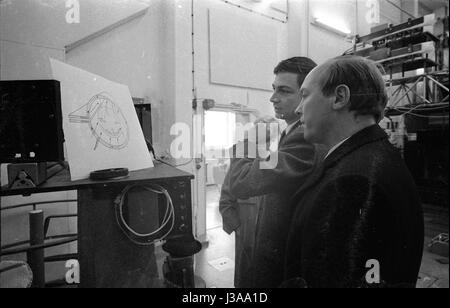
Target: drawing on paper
{"type": "Point", "coordinates": [105, 119]}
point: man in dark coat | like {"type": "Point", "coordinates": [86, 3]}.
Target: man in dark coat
{"type": "Point", "coordinates": [358, 220]}
{"type": "Point", "coordinates": [275, 184]}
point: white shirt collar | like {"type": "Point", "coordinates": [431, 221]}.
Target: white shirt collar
{"type": "Point", "coordinates": [290, 127]}
{"type": "Point", "coordinates": [335, 147]}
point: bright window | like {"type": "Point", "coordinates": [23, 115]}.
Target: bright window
{"type": "Point", "coordinates": [220, 129]}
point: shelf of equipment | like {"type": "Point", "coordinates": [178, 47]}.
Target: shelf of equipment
{"type": "Point", "coordinates": [414, 49]}
{"type": "Point", "coordinates": [414, 60]}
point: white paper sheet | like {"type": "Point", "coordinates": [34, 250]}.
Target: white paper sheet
{"type": "Point", "coordinates": [101, 128]}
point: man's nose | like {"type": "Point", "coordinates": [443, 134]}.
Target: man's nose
{"type": "Point", "coordinates": [274, 99]}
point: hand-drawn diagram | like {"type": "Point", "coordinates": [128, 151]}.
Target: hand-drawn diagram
{"type": "Point", "coordinates": [105, 119]}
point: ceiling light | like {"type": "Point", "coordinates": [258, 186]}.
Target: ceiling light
{"type": "Point", "coordinates": [332, 25]}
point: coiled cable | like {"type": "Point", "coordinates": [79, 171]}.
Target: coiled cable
{"type": "Point", "coordinates": [145, 239]}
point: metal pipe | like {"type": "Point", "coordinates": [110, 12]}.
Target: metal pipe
{"type": "Point", "coordinates": [105, 30]}
{"type": "Point", "coordinates": [63, 257]}
{"type": "Point", "coordinates": [10, 267]}
{"type": "Point", "coordinates": [406, 93]}
{"type": "Point", "coordinates": [67, 238]}
{"type": "Point", "coordinates": [402, 10]}
{"type": "Point", "coordinates": [33, 204]}
{"type": "Point", "coordinates": [15, 244]}
{"type": "Point", "coordinates": [52, 237]}
{"type": "Point", "coordinates": [422, 97]}
{"type": "Point", "coordinates": [437, 82]}
{"type": "Point", "coordinates": [36, 257]}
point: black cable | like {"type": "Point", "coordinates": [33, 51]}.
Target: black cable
{"type": "Point", "coordinates": [175, 166]}
{"type": "Point", "coordinates": [165, 163]}
{"type": "Point", "coordinates": [184, 164]}
{"type": "Point", "coordinates": [152, 150]}
{"type": "Point", "coordinates": [150, 147]}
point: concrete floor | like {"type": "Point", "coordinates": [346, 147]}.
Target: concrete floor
{"type": "Point", "coordinates": [213, 217]}
{"type": "Point", "coordinates": [434, 272]}
{"type": "Point", "coordinates": [220, 246]}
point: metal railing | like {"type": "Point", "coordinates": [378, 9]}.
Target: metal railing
{"type": "Point", "coordinates": [39, 240]}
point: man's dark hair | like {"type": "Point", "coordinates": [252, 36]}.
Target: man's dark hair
{"type": "Point", "coordinates": [297, 65]}
{"type": "Point", "coordinates": [364, 78]}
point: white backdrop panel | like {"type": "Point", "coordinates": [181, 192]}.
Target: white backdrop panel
{"type": "Point", "coordinates": [243, 50]}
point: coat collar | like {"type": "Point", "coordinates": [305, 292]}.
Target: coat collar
{"type": "Point", "coordinates": [367, 135]}
{"type": "Point", "coordinates": [297, 125]}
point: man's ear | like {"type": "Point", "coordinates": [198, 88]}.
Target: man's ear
{"type": "Point", "coordinates": [342, 95]}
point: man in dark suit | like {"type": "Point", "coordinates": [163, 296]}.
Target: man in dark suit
{"type": "Point", "coordinates": [273, 184]}
{"type": "Point", "coordinates": [357, 220]}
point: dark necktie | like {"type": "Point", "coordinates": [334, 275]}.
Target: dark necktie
{"type": "Point", "coordinates": [283, 134]}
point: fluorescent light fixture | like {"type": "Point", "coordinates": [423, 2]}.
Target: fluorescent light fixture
{"type": "Point", "coordinates": [262, 5]}
{"type": "Point", "coordinates": [331, 25]}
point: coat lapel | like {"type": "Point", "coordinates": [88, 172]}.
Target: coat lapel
{"type": "Point", "coordinates": [367, 135]}
{"type": "Point", "coordinates": [283, 137]}
{"type": "Point", "coordinates": [312, 180]}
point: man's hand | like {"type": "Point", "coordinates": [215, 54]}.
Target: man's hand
{"type": "Point", "coordinates": [264, 130]}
